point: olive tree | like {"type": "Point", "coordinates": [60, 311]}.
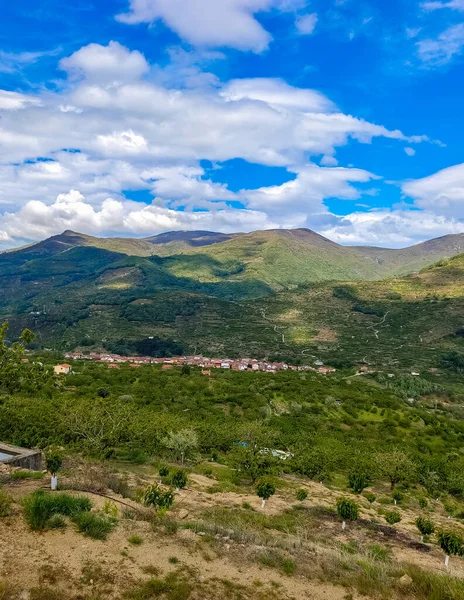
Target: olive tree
{"type": "Point", "coordinates": [181, 443]}
{"type": "Point", "coordinates": [451, 543]}
{"type": "Point", "coordinates": [347, 510]}
{"type": "Point", "coordinates": [264, 490]}
{"type": "Point", "coordinates": [396, 466]}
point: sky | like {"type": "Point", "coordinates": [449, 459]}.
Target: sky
{"type": "Point", "coordinates": [134, 117]}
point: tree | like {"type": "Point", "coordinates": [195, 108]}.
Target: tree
{"type": "Point", "coordinates": [53, 460]}
{"type": "Point", "coordinates": [396, 466]}
{"type": "Point", "coordinates": [347, 510]}
{"type": "Point", "coordinates": [425, 526]}
{"type": "Point", "coordinates": [182, 443]}
{"type": "Point", "coordinates": [15, 374]}
{"type": "Point", "coordinates": [264, 490]}
{"type": "Point", "coordinates": [158, 498]}
{"type": "Point", "coordinates": [179, 479]}
{"type": "Point", "coordinates": [254, 462]}
{"type": "Point", "coordinates": [451, 543]}
{"type": "Point", "coordinates": [369, 496]}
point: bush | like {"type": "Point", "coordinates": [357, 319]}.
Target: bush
{"type": "Point", "coordinates": [164, 471]}
{"type": "Point", "coordinates": [136, 540]}
{"type": "Point", "coordinates": [423, 503]}
{"type": "Point", "coordinates": [451, 543]}
{"type": "Point", "coordinates": [425, 526]}
{"type": "Point", "coordinates": [53, 461]}
{"type": "Point", "coordinates": [94, 525]}
{"type": "Point", "coordinates": [347, 509]}
{"type": "Point", "coordinates": [301, 495]}
{"type": "Point", "coordinates": [397, 497]}
{"type": "Point", "coordinates": [24, 474]}
{"type": "Point", "coordinates": [358, 480]}
{"type": "Point", "coordinates": [40, 507]}
{"type": "Point", "coordinates": [5, 504]}
{"type": "Point", "coordinates": [369, 496]}
{"type": "Point", "coordinates": [392, 517]}
{"type": "Point", "coordinates": [179, 479]}
{"type": "Point", "coordinates": [288, 566]}
{"type": "Point", "coordinates": [265, 489]}
{"type": "Point", "coordinates": [158, 498]}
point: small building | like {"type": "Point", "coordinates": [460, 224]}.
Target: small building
{"type": "Point", "coordinates": [206, 372]}
{"type": "Point", "coordinates": [63, 369]}
{"type": "Point", "coordinates": [166, 366]}
{"type": "Point", "coordinates": [113, 366]}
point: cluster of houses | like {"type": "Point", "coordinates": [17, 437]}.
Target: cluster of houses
{"type": "Point", "coordinates": [206, 364]}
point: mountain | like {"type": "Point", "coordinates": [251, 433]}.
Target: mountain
{"type": "Point", "coordinates": [287, 293]}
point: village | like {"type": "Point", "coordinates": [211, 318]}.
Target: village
{"type": "Point", "coordinates": [206, 364]}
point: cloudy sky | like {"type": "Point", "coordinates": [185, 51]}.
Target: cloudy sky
{"type": "Point", "coordinates": [133, 117]}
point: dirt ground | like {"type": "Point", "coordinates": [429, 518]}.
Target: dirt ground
{"type": "Point", "coordinates": [68, 561]}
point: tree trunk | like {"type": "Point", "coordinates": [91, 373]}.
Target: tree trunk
{"type": "Point", "coordinates": [422, 538]}
{"type": "Point", "coordinates": [263, 503]}
{"type": "Point", "coordinates": [54, 482]}
{"type": "Point", "coordinates": [343, 525]}
{"type": "Point", "coordinates": [446, 560]}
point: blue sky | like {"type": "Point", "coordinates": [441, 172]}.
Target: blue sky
{"type": "Point", "coordinates": [133, 117]}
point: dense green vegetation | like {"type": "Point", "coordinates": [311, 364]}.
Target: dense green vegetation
{"type": "Point", "coordinates": [358, 427]}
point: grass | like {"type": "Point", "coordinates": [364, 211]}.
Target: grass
{"type": "Point", "coordinates": [23, 474]}
{"type": "Point", "coordinates": [135, 540]}
{"type": "Point", "coordinates": [40, 507]}
{"type": "Point", "coordinates": [94, 525]}
{"type": "Point", "coordinates": [6, 503]}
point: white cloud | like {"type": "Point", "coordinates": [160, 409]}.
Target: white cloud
{"type": "Point", "coordinates": [453, 4]}
{"type": "Point", "coordinates": [391, 228]}
{"type": "Point", "coordinates": [306, 24]}
{"type": "Point", "coordinates": [443, 191]}
{"type": "Point", "coordinates": [410, 151]}
{"type": "Point", "coordinates": [129, 126]}
{"type": "Point", "coordinates": [105, 64]}
{"type": "Point", "coordinates": [15, 101]}
{"type": "Point", "coordinates": [441, 50]}
{"type": "Point", "coordinates": [212, 23]}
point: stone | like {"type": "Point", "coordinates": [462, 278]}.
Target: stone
{"type": "Point", "coordinates": [183, 514]}
{"type": "Point", "coordinates": [405, 580]}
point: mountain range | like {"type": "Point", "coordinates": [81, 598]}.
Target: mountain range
{"type": "Point", "coordinates": [279, 292]}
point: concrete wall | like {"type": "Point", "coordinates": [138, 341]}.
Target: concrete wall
{"type": "Point", "coordinates": [22, 457]}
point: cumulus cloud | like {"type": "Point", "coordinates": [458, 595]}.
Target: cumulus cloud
{"type": "Point", "coordinates": [393, 228]}
{"type": "Point", "coordinates": [105, 64]}
{"type": "Point", "coordinates": [306, 24]}
{"type": "Point", "coordinates": [119, 124]}
{"type": "Point", "coordinates": [453, 4]}
{"type": "Point", "coordinates": [442, 191]}
{"type": "Point", "coordinates": [410, 151]}
{"type": "Point", "coordinates": [213, 23]}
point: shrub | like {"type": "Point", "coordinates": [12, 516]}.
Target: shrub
{"type": "Point", "coordinates": [451, 543]}
{"type": "Point", "coordinates": [40, 507]}
{"type": "Point", "coordinates": [179, 479]}
{"type": "Point", "coordinates": [423, 503]}
{"type": "Point", "coordinates": [158, 498]}
{"type": "Point", "coordinates": [358, 480]}
{"type": "Point", "coordinates": [164, 471]}
{"type": "Point", "coordinates": [111, 509]}
{"type": "Point", "coordinates": [347, 510]}
{"type": "Point", "coordinates": [5, 504]}
{"type": "Point", "coordinates": [94, 525]}
{"type": "Point", "coordinates": [425, 526]}
{"type": "Point", "coordinates": [397, 497]}
{"type": "Point", "coordinates": [264, 490]}
{"type": "Point", "coordinates": [369, 496]}
{"type": "Point", "coordinates": [288, 566]}
{"type": "Point", "coordinates": [392, 517]}
{"type": "Point", "coordinates": [26, 475]}
{"type": "Point", "coordinates": [136, 540]}
{"type": "Point", "coordinates": [56, 522]}
{"type": "Point", "coordinates": [54, 462]}
{"type": "Point", "coordinates": [301, 495]}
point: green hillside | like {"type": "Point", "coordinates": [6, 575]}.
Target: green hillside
{"type": "Point", "coordinates": [287, 294]}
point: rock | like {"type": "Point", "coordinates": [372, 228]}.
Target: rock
{"type": "Point", "coordinates": [183, 514]}
{"type": "Point", "coordinates": [201, 533]}
{"type": "Point", "coordinates": [405, 580]}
